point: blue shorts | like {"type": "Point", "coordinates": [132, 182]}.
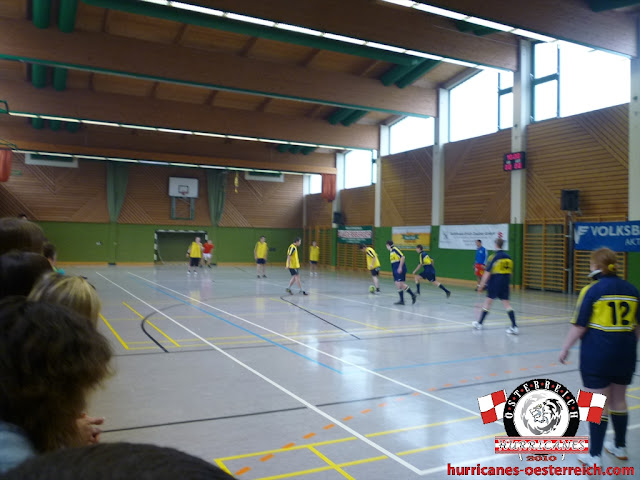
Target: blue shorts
{"type": "Point", "coordinates": [194, 261]}
{"type": "Point", "coordinates": [428, 274]}
{"type": "Point", "coordinates": [261, 261]}
{"type": "Point", "coordinates": [597, 382]}
{"type": "Point", "coordinates": [498, 287]}
{"type": "Point", "coordinates": [399, 277]}
{"type": "Point", "coordinates": [293, 271]}
{"type": "Point", "coordinates": [375, 272]}
{"type": "Point", "coordinates": [313, 262]}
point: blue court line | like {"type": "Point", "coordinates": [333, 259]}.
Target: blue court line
{"type": "Point", "coordinates": [242, 328]}
{"type": "Point", "coordinates": [472, 359]}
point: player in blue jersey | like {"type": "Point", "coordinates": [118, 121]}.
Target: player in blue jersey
{"type": "Point", "coordinates": [399, 270]}
{"type": "Point", "coordinates": [497, 278]}
{"type": "Point", "coordinates": [480, 263]}
{"type": "Point", "coordinates": [428, 271]}
{"type": "Point", "coordinates": [606, 320]}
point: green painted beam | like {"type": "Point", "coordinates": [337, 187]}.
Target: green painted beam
{"type": "Point", "coordinates": [67, 15]}
{"type": "Point", "coordinates": [283, 148]}
{"type": "Point", "coordinates": [417, 72]}
{"type": "Point", "coordinates": [37, 123]}
{"type": "Point", "coordinates": [72, 127]}
{"type": "Point", "coordinates": [353, 117]}
{"type": "Point", "coordinates": [396, 73]}
{"type": "Point", "coordinates": [603, 5]}
{"type": "Point", "coordinates": [38, 75]}
{"type": "Point", "coordinates": [339, 115]}
{"type": "Point", "coordinates": [60, 78]}
{"type": "Point", "coordinates": [295, 149]}
{"type": "Point", "coordinates": [55, 125]}
{"type": "Point", "coordinates": [252, 30]}
{"type": "Point", "coordinates": [478, 30]}
{"type": "Point", "coordinates": [41, 13]}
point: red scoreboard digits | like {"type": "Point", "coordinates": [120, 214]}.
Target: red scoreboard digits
{"type": "Point", "coordinates": [514, 161]}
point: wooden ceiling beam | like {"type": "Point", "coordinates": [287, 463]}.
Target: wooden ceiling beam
{"type": "Point", "coordinates": [19, 40]}
{"type": "Point", "coordinates": [377, 22]}
{"type": "Point", "coordinates": [570, 20]}
{"type": "Point", "coordinates": [127, 109]}
{"type": "Point", "coordinates": [100, 141]}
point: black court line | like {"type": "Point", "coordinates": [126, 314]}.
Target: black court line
{"type": "Point", "coordinates": [503, 380]}
{"type": "Point", "coordinates": [283, 298]}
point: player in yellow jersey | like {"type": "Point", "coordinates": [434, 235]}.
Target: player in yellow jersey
{"type": "Point", "coordinates": [373, 264]}
{"type": "Point", "coordinates": [293, 264]}
{"type": "Point", "coordinates": [399, 270]}
{"type": "Point", "coordinates": [428, 271]}
{"type": "Point", "coordinates": [260, 254]}
{"type": "Point", "coordinates": [314, 257]}
{"type": "Point", "coordinates": [194, 254]}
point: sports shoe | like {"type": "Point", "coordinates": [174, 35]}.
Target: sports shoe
{"type": "Point", "coordinates": [413, 299]}
{"type": "Point", "coordinates": [377, 290]}
{"type": "Point", "coordinates": [619, 452]}
{"type": "Point", "coordinates": [289, 291]}
{"type": "Point", "coordinates": [589, 460]}
{"type": "Point", "coordinates": [399, 302]}
{"type": "Point", "coordinates": [304, 293]}
{"type": "Point", "coordinates": [448, 292]}
{"type": "Point", "coordinates": [258, 276]}
{"type": "Point", "coordinates": [264, 276]}
{"type": "Point", "coordinates": [477, 325]}
{"type": "Point", "coordinates": [512, 330]}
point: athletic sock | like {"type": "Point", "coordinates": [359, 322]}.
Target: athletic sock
{"type": "Point", "coordinates": [401, 293]}
{"type": "Point", "coordinates": [596, 436]}
{"type": "Point", "coordinates": [512, 317]}
{"type": "Point", "coordinates": [619, 421]}
{"type": "Point", "coordinates": [409, 291]}
{"type": "Point", "coordinates": [418, 287]}
{"type": "Point", "coordinates": [443, 288]}
{"type": "Point", "coordinates": [483, 315]}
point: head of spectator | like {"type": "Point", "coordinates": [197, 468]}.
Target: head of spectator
{"type": "Point", "coordinates": [50, 360]}
{"type": "Point", "coordinates": [71, 291]}
{"type": "Point", "coordinates": [19, 272]}
{"type": "Point", "coordinates": [17, 234]}
{"type": "Point", "coordinates": [117, 461]}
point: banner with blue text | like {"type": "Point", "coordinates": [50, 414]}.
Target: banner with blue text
{"type": "Point", "coordinates": [618, 236]}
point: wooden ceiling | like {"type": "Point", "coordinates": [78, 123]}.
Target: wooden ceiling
{"type": "Point", "coordinates": [137, 69]}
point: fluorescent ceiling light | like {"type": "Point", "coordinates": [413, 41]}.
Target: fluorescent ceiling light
{"type": "Point", "coordinates": [54, 154]}
{"type": "Point", "coordinates": [207, 134]}
{"type": "Point", "coordinates": [295, 28]}
{"type": "Point", "coordinates": [91, 157]}
{"type": "Point", "coordinates": [403, 3]}
{"type": "Point", "coordinates": [127, 160]}
{"type": "Point", "coordinates": [151, 162]}
{"type": "Point", "coordinates": [246, 18]}
{"type": "Point", "coordinates": [191, 8]}
{"type": "Point", "coordinates": [239, 137]}
{"type": "Point", "coordinates": [138, 127]}
{"type": "Point", "coordinates": [217, 167]}
{"type": "Point", "coordinates": [489, 24]}
{"type": "Point", "coordinates": [159, 2]}
{"type": "Point", "coordinates": [424, 55]}
{"type": "Point", "coordinates": [342, 38]}
{"type": "Point", "coordinates": [173, 130]}
{"type": "Point", "coordinates": [26, 115]}
{"type": "Point", "coordinates": [533, 35]}
{"type": "Point", "coordinates": [439, 11]}
{"type": "Point", "coordinates": [460, 62]}
{"type": "Point", "coordinates": [95, 122]}
{"type": "Point", "coordinates": [382, 46]}
{"type": "Point", "coordinates": [190, 165]}
{"type": "Point", "coordinates": [47, 117]}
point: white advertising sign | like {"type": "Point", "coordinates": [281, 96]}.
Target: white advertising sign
{"type": "Point", "coordinates": [463, 237]}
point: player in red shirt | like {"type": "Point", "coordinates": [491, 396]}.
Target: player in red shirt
{"type": "Point", "coordinates": [207, 248]}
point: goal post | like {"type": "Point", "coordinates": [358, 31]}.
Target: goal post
{"type": "Point", "coordinates": [172, 245]}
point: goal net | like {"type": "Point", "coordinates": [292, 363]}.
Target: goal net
{"type": "Point", "coordinates": [172, 245]}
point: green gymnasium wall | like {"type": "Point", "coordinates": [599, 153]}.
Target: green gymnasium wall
{"type": "Point", "coordinates": [114, 243]}
{"type": "Point", "coordinates": [633, 268]}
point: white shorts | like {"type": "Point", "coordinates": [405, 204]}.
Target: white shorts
{"type": "Point", "coordinates": [206, 256]}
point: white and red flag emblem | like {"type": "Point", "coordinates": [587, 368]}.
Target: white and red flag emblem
{"type": "Point", "coordinates": [590, 406]}
{"type": "Point", "coordinates": [492, 406]}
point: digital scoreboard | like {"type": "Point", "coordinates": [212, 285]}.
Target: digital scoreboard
{"type": "Point", "coordinates": [514, 161]}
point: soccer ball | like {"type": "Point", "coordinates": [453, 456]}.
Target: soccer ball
{"type": "Point", "coordinates": [372, 289]}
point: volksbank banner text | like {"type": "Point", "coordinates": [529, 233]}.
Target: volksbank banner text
{"type": "Point", "coordinates": [618, 236]}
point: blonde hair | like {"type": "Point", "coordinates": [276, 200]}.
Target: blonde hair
{"type": "Point", "coordinates": [73, 292]}
{"type": "Point", "coordinates": [605, 260]}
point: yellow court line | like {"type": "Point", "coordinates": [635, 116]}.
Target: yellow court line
{"type": "Point", "coordinates": [149, 322]}
{"type": "Point", "coordinates": [634, 407]}
{"type": "Point", "coordinates": [126, 347]}
{"type": "Point", "coordinates": [443, 445]}
{"type": "Point", "coordinates": [332, 464]}
{"type": "Point", "coordinates": [348, 439]}
{"type": "Point", "coordinates": [633, 396]}
{"type": "Point", "coordinates": [370, 460]}
{"type": "Point", "coordinates": [222, 466]}
{"type": "Point", "coordinates": [336, 316]}
{"type": "Point", "coordinates": [633, 389]}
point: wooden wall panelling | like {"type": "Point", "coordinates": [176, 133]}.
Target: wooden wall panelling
{"type": "Point", "coordinates": [358, 205]}
{"type": "Point", "coordinates": [477, 190]}
{"type": "Point", "coordinates": [55, 193]}
{"type": "Point", "coordinates": [148, 202]}
{"type": "Point", "coordinates": [587, 152]}
{"type": "Point", "coordinates": [263, 204]}
{"type": "Point", "coordinates": [406, 188]}
{"type": "Point", "coordinates": [318, 210]}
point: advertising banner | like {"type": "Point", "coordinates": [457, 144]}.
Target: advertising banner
{"type": "Point", "coordinates": [618, 236]}
{"type": "Point", "coordinates": [355, 235]}
{"type": "Point", "coordinates": [463, 237]}
{"type": "Point", "coordinates": [406, 238]}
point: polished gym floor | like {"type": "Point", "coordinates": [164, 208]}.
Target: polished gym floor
{"type": "Point", "coordinates": [337, 384]}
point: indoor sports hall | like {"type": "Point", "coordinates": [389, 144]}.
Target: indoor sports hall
{"type": "Point", "coordinates": [193, 160]}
